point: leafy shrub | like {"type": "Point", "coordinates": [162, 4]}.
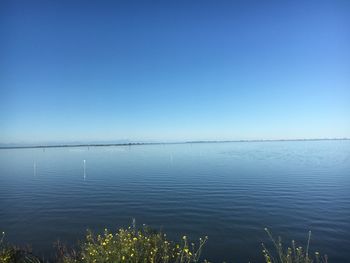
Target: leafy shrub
{"type": "Point", "coordinates": [12, 254]}
{"type": "Point", "coordinates": [131, 245]}
{"type": "Point", "coordinates": [144, 245]}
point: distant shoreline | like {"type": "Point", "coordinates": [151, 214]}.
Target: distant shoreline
{"type": "Point", "coordinates": [157, 143]}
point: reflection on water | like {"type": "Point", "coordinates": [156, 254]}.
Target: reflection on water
{"type": "Point", "coordinates": [228, 191]}
{"type": "Point", "coordinates": [34, 168]}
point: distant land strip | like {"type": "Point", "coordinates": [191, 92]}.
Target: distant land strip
{"type": "Point", "coordinates": [161, 143]}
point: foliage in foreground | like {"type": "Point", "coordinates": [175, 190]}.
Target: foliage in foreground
{"type": "Point", "coordinates": [147, 246]}
{"type": "Point", "coordinates": [291, 254]}
{"type": "Point", "coordinates": [12, 254]}
{"type": "Point", "coordinates": [131, 245]}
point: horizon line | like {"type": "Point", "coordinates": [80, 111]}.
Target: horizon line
{"type": "Point", "coordinates": [158, 143]}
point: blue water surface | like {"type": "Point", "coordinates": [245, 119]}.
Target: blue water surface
{"type": "Point", "coordinates": [227, 191]}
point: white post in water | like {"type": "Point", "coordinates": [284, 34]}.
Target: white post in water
{"type": "Point", "coordinates": [84, 165]}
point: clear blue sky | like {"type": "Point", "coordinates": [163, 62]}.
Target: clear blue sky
{"type": "Point", "coordinates": [173, 70]}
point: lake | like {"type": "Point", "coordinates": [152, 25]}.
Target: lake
{"type": "Point", "coordinates": [227, 191]}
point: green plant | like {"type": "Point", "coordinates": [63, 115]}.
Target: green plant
{"type": "Point", "coordinates": [12, 254]}
{"type": "Point", "coordinates": [291, 254]}
{"type": "Point", "coordinates": [145, 245]}
{"type": "Point", "coordinates": [132, 245]}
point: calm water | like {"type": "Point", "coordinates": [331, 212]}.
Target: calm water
{"type": "Point", "coordinates": [228, 191]}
